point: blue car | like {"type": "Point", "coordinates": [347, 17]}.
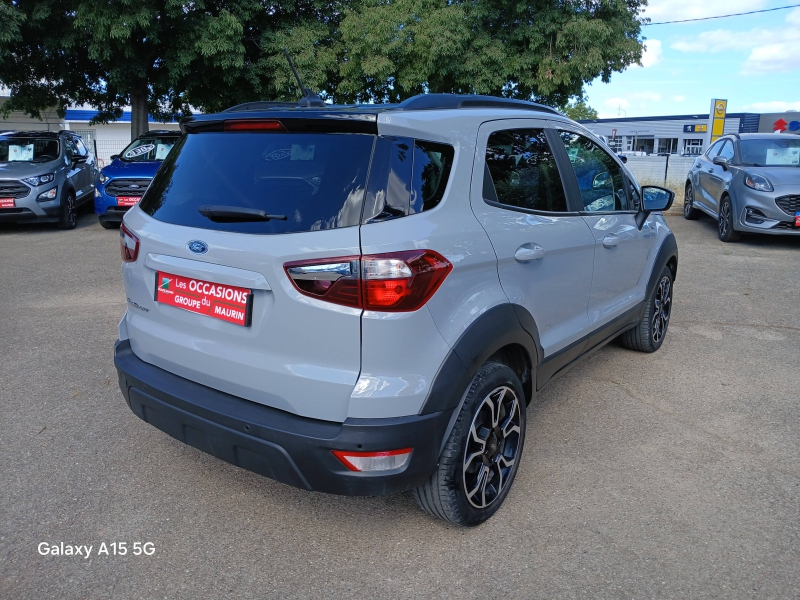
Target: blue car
{"type": "Point", "coordinates": [123, 182]}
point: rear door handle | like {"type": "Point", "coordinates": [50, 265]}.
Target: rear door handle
{"type": "Point", "coordinates": [610, 241]}
{"type": "Point", "coordinates": [528, 252]}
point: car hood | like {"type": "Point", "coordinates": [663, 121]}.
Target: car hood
{"type": "Point", "coordinates": [119, 168]}
{"type": "Point", "coordinates": [21, 170]}
{"type": "Point", "coordinates": [777, 175]}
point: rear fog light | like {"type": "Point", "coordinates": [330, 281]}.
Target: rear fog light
{"type": "Point", "coordinates": [387, 460]}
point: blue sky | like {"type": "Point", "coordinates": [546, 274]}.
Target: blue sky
{"type": "Point", "coordinates": [752, 61]}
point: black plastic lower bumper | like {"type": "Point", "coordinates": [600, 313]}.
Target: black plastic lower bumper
{"type": "Point", "coordinates": [114, 214]}
{"type": "Point", "coordinates": [291, 449]}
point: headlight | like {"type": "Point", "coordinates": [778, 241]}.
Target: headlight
{"type": "Point", "coordinates": [103, 178]}
{"type": "Point", "coordinates": [40, 180]}
{"type": "Point", "coordinates": [48, 195]}
{"type": "Point", "coordinates": [757, 182]}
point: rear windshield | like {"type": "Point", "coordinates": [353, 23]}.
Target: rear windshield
{"type": "Point", "coordinates": [315, 180]}
{"type": "Point", "coordinates": [148, 149]}
{"type": "Point", "coordinates": [770, 153]}
{"type": "Point", "coordinates": [27, 149]}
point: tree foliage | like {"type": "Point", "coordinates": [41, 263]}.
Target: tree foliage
{"type": "Point", "coordinates": [166, 56]}
{"type": "Point", "coordinates": [578, 109]}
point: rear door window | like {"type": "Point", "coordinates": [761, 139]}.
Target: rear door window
{"type": "Point", "coordinates": [521, 171]}
{"type": "Point", "coordinates": [315, 180]}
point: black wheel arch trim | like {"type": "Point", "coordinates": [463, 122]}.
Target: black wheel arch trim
{"type": "Point", "coordinates": [498, 327]}
{"type": "Point", "coordinates": [668, 253]}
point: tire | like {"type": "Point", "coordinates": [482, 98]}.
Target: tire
{"type": "Point", "coordinates": [649, 334]}
{"type": "Point", "coordinates": [725, 229]}
{"type": "Point", "coordinates": [476, 457]}
{"type": "Point", "coordinates": [109, 224]}
{"type": "Point", "coordinates": [690, 213]}
{"type": "Point", "coordinates": [69, 213]}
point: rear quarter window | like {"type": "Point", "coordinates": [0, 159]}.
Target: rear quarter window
{"type": "Point", "coordinates": [316, 180]}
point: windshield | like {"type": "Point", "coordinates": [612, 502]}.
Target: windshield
{"type": "Point", "coordinates": [770, 153]}
{"type": "Point", "coordinates": [148, 148]}
{"type": "Point", "coordinates": [28, 149]}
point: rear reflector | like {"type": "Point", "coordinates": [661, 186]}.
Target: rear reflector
{"type": "Point", "coordinates": [373, 461]}
{"type": "Point", "coordinates": [253, 125]}
{"type": "Point", "coordinates": [128, 244]}
{"type": "Point", "coordinates": [392, 282]}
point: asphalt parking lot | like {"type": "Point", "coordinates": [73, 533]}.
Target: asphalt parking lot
{"type": "Point", "coordinates": [672, 475]}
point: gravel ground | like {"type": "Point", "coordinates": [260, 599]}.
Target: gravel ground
{"type": "Point", "coordinates": [672, 475]}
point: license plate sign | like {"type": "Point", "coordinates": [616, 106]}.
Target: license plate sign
{"type": "Point", "coordinates": [215, 300]}
{"type": "Point", "coordinates": [7, 203]}
{"type": "Point", "coordinates": [128, 200]}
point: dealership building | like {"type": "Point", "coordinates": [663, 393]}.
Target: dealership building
{"type": "Point", "coordinates": [684, 134]}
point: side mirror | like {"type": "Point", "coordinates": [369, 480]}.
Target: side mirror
{"type": "Point", "coordinates": [721, 161]}
{"type": "Point", "coordinates": [654, 199]}
{"type": "Point", "coordinates": [114, 156]}
{"type": "Point", "coordinates": [77, 160]}
{"type": "Point", "coordinates": [623, 158]}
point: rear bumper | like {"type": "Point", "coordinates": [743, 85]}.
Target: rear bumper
{"type": "Point", "coordinates": [290, 449]}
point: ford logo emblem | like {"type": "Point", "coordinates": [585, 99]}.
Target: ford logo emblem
{"type": "Point", "coordinates": [197, 247]}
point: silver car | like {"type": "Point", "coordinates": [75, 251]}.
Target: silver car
{"type": "Point", "coordinates": [749, 182]}
{"type": "Point", "coordinates": [363, 300]}
{"type": "Point", "coordinates": [44, 177]}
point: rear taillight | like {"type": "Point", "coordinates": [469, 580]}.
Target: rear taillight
{"type": "Point", "coordinates": [128, 244]}
{"type": "Point", "coordinates": [387, 460]}
{"type": "Point", "coordinates": [253, 125]}
{"type": "Point", "coordinates": [392, 282]}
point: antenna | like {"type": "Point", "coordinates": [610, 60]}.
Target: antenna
{"type": "Point", "coordinates": [308, 98]}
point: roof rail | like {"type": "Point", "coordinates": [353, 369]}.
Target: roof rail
{"type": "Point", "coordinates": [259, 105]}
{"type": "Point", "coordinates": [443, 101]}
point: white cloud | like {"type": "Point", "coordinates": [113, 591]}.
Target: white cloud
{"type": "Point", "coordinates": [773, 106]}
{"type": "Point", "coordinates": [770, 49]}
{"type": "Point", "coordinates": [674, 10]}
{"type": "Point", "coordinates": [679, 98]}
{"type": "Point", "coordinates": [652, 54]}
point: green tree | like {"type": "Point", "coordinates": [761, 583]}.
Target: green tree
{"type": "Point", "coordinates": [158, 56]}
{"type": "Point", "coordinates": [544, 50]}
{"type": "Point", "coordinates": [167, 56]}
{"type": "Point", "coordinates": [578, 109]}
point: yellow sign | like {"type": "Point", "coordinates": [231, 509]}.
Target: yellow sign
{"type": "Point", "coordinates": [718, 110]}
{"type": "Point", "coordinates": [701, 128]}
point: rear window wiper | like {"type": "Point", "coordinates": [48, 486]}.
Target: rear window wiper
{"type": "Point", "coordinates": [232, 214]}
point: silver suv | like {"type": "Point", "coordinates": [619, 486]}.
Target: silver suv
{"type": "Point", "coordinates": [44, 177]}
{"type": "Point", "coordinates": [363, 300]}
{"type": "Point", "coordinates": [749, 182]}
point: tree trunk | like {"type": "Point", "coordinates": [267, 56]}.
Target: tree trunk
{"type": "Point", "coordinates": [139, 123]}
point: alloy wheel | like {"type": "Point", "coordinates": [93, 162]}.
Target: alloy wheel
{"type": "Point", "coordinates": [724, 217]}
{"type": "Point", "coordinates": [688, 200]}
{"type": "Point", "coordinates": [663, 308]}
{"type": "Point", "coordinates": [72, 216]}
{"type": "Point", "coordinates": [492, 447]}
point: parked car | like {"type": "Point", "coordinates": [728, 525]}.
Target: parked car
{"type": "Point", "coordinates": [44, 177]}
{"type": "Point", "coordinates": [749, 182]}
{"type": "Point", "coordinates": [363, 300]}
{"type": "Point", "coordinates": [123, 182]}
